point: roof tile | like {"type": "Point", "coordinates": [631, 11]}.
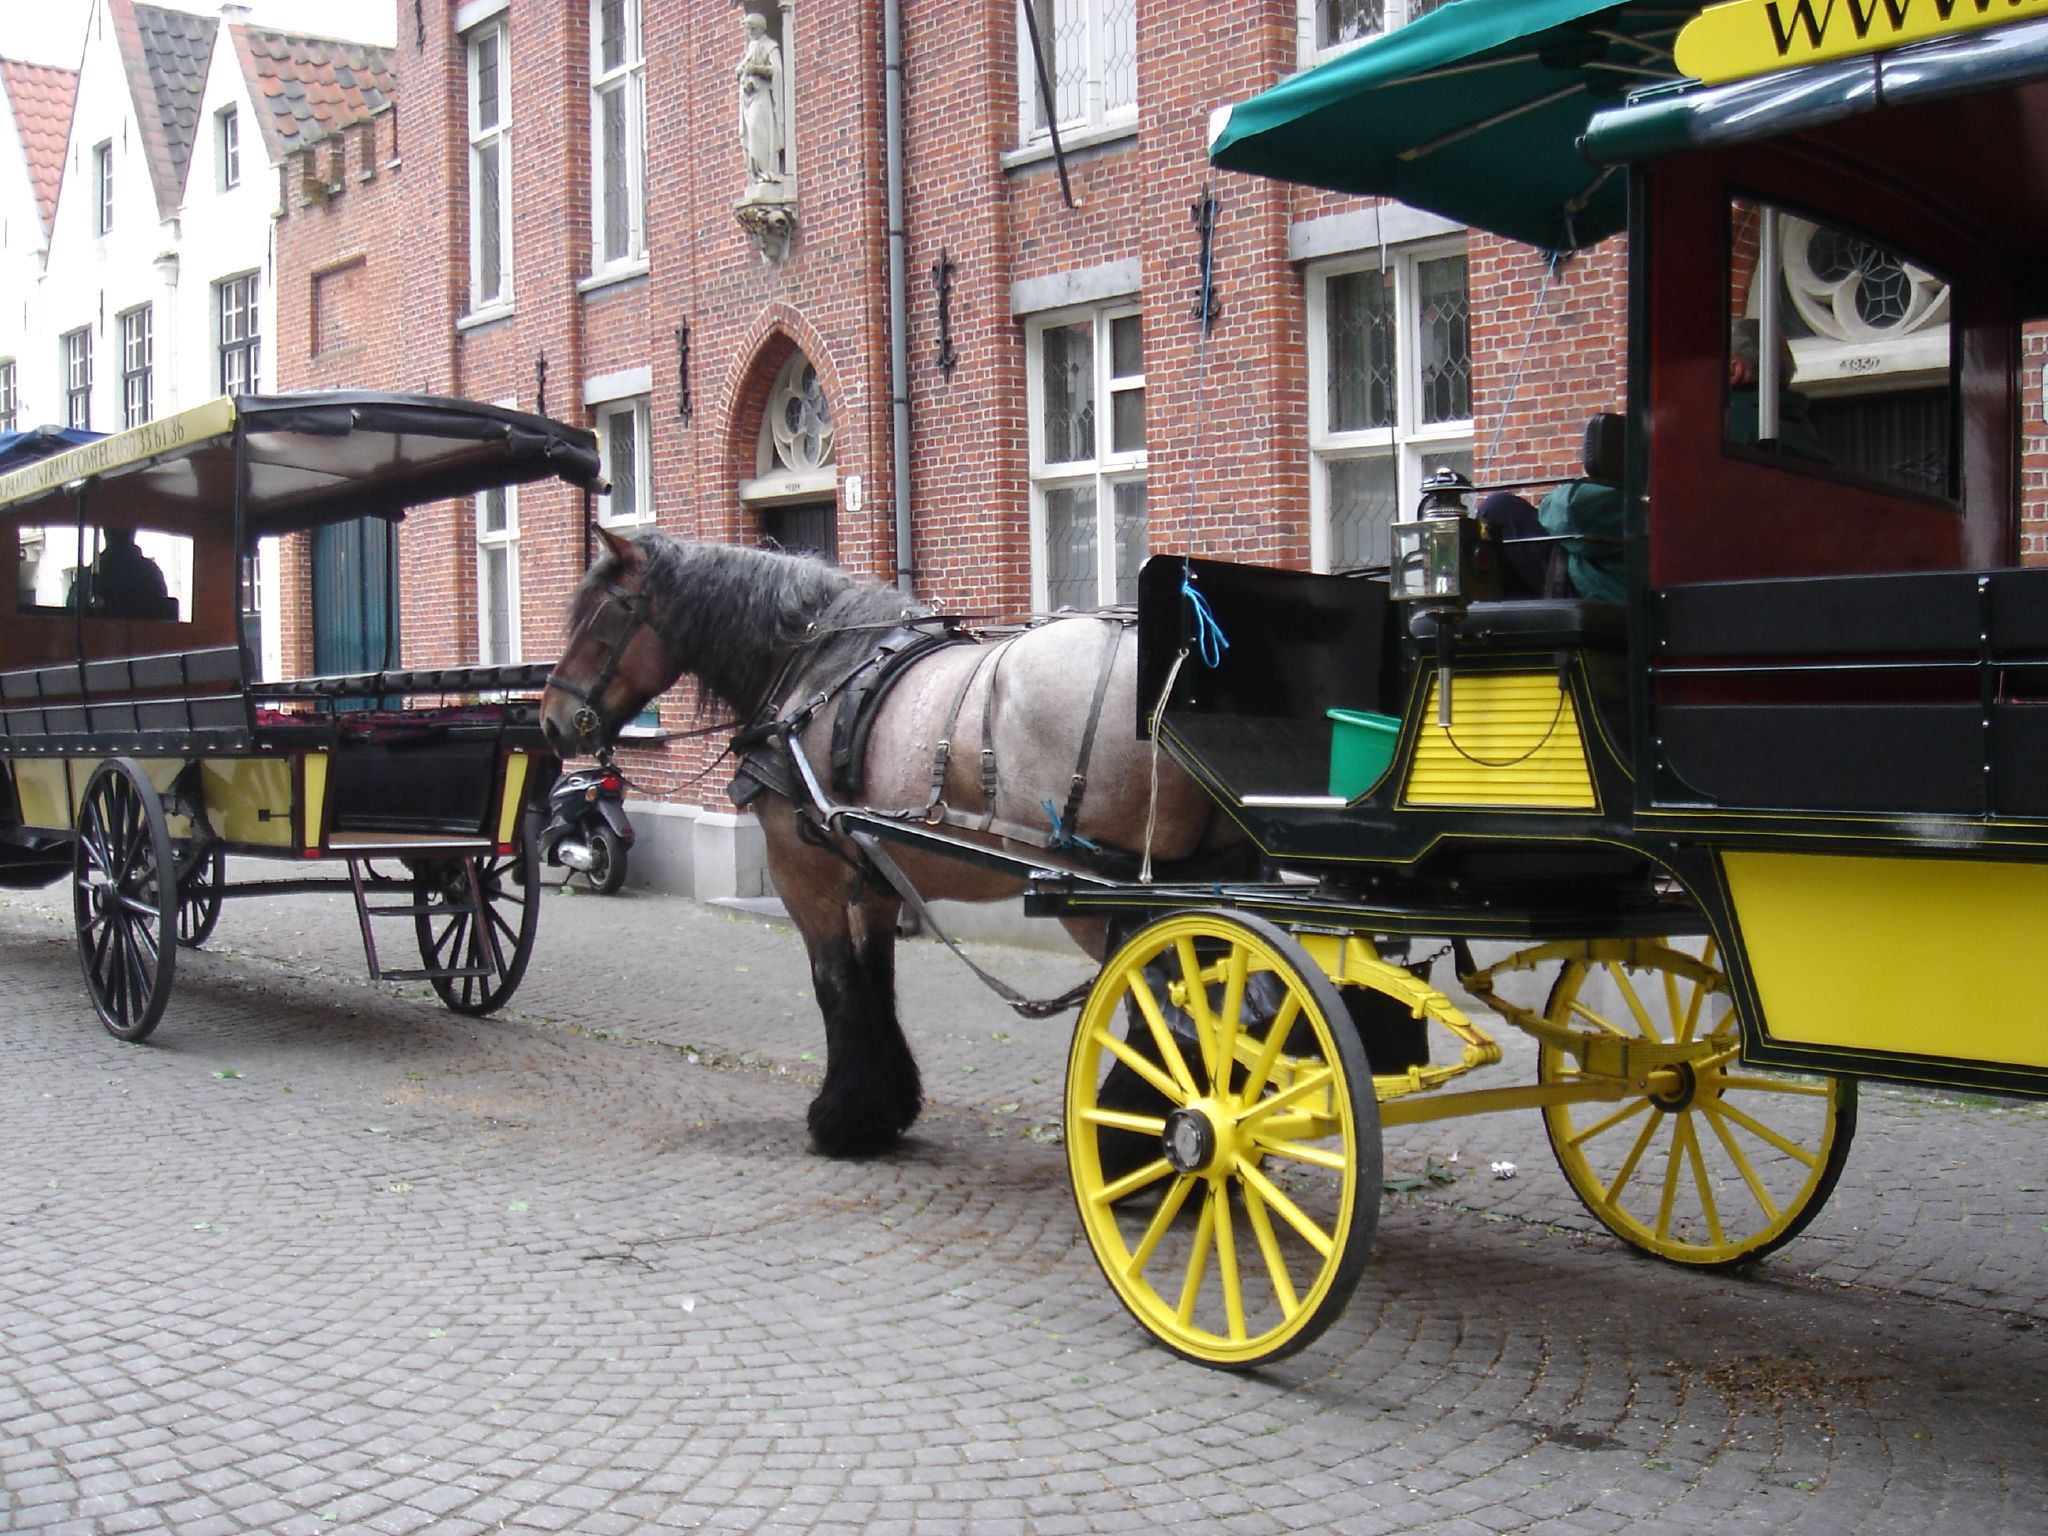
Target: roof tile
{"type": "Point", "coordinates": [42, 98]}
{"type": "Point", "coordinates": [307, 87]}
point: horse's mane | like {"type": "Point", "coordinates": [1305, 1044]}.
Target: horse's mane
{"type": "Point", "coordinates": [731, 615]}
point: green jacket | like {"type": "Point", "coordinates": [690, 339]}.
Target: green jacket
{"type": "Point", "coordinates": [1594, 562]}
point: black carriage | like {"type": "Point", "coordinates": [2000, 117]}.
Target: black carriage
{"type": "Point", "coordinates": [142, 746]}
{"type": "Point", "coordinates": [1774, 821]}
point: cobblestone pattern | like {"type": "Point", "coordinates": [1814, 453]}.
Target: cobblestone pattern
{"type": "Point", "coordinates": [325, 1257]}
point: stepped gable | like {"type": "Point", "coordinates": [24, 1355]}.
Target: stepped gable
{"type": "Point", "coordinates": [307, 87]}
{"type": "Point", "coordinates": [166, 54]}
{"type": "Point", "coordinates": [41, 96]}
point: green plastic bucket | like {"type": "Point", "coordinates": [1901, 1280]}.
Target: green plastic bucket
{"type": "Point", "coordinates": [1361, 746]}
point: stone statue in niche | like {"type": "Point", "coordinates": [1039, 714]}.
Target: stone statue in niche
{"type": "Point", "coordinates": [761, 86]}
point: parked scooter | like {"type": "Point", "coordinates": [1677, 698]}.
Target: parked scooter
{"type": "Point", "coordinates": [587, 830]}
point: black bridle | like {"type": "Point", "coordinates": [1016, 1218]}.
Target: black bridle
{"type": "Point", "coordinates": [613, 626]}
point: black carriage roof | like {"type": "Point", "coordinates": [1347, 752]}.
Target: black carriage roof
{"type": "Point", "coordinates": [312, 459]}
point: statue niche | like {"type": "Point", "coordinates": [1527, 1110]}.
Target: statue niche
{"type": "Point", "coordinates": [767, 207]}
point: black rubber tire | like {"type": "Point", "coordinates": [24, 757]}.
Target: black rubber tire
{"type": "Point", "coordinates": [607, 870]}
{"type": "Point", "coordinates": [501, 945]}
{"type": "Point", "coordinates": [123, 899]}
{"type": "Point", "coordinates": [199, 898]}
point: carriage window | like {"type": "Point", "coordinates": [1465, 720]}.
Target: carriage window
{"type": "Point", "coordinates": [113, 573]}
{"type": "Point", "coordinates": [1839, 353]}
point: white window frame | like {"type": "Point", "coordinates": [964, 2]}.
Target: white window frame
{"type": "Point", "coordinates": [75, 361]}
{"type": "Point", "coordinates": [1106, 470]}
{"type": "Point", "coordinates": [1308, 13]}
{"type": "Point", "coordinates": [639, 408]}
{"type": "Point", "coordinates": [494, 141]}
{"type": "Point", "coordinates": [138, 365]}
{"type": "Point", "coordinates": [103, 187]}
{"type": "Point", "coordinates": [1097, 115]}
{"type": "Point", "coordinates": [1408, 440]}
{"type": "Point", "coordinates": [10, 401]}
{"type": "Point", "coordinates": [227, 139]}
{"type": "Point", "coordinates": [246, 344]}
{"type": "Point", "coordinates": [629, 79]}
{"type": "Point", "coordinates": [505, 542]}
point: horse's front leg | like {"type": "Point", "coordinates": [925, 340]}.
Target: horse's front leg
{"type": "Point", "coordinates": [872, 1093]}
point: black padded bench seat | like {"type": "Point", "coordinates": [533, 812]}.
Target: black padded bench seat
{"type": "Point", "coordinates": [1520, 623]}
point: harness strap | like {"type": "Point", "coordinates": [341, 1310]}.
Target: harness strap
{"type": "Point", "coordinates": [935, 808]}
{"type": "Point", "coordinates": [1025, 1007]}
{"type": "Point", "coordinates": [1068, 825]}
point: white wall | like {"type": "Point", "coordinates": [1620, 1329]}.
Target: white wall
{"type": "Point", "coordinates": [21, 265]}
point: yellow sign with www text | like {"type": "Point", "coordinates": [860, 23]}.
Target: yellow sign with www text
{"type": "Point", "coordinates": [1755, 37]}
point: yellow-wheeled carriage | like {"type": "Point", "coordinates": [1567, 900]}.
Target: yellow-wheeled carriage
{"type": "Point", "coordinates": [1750, 803]}
{"type": "Point", "coordinates": [141, 746]}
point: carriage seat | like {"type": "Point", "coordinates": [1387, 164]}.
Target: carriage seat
{"type": "Point", "coordinates": [1548, 623]}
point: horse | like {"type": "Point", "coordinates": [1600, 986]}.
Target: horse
{"type": "Point", "coordinates": [1025, 741]}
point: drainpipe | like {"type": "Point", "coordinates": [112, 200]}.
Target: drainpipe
{"type": "Point", "coordinates": [899, 341]}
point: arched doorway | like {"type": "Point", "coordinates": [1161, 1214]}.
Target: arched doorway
{"type": "Point", "coordinates": [794, 495]}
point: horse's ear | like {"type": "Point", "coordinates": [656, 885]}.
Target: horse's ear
{"type": "Point", "coordinates": [621, 548]}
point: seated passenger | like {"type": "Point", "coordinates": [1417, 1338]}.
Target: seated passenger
{"type": "Point", "coordinates": [1745, 380]}
{"type": "Point", "coordinates": [126, 583]}
{"type": "Point", "coordinates": [1580, 520]}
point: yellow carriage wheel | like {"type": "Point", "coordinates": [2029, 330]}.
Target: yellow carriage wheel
{"type": "Point", "coordinates": [1223, 1138]}
{"type": "Point", "coordinates": [1718, 1163]}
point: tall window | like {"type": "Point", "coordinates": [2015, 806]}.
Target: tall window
{"type": "Point", "coordinates": [1390, 393]}
{"type": "Point", "coordinates": [241, 344]}
{"type": "Point", "coordinates": [490, 202]}
{"type": "Point", "coordinates": [75, 358]}
{"type": "Point", "coordinates": [1087, 458]}
{"type": "Point", "coordinates": [622, 442]}
{"type": "Point", "coordinates": [227, 139]}
{"type": "Point", "coordinates": [103, 188]}
{"type": "Point", "coordinates": [138, 357]}
{"type": "Point", "coordinates": [1088, 51]}
{"type": "Point", "coordinates": [618, 84]}
{"type": "Point", "coordinates": [1332, 26]}
{"type": "Point", "coordinates": [10, 407]}
{"type": "Point", "coordinates": [497, 576]}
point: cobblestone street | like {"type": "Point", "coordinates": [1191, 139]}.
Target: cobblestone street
{"type": "Point", "coordinates": [323, 1256]}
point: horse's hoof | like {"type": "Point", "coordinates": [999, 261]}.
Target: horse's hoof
{"type": "Point", "coordinates": [835, 1138]}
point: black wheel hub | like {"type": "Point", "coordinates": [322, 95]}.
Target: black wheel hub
{"type": "Point", "coordinates": [1189, 1141]}
{"type": "Point", "coordinates": [1682, 1096]}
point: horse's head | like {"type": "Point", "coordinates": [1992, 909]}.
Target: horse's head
{"type": "Point", "coordinates": [612, 662]}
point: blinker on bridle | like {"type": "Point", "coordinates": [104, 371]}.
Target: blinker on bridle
{"type": "Point", "coordinates": [612, 626]}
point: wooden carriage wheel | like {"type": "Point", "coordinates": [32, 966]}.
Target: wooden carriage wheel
{"type": "Point", "coordinates": [1238, 1232]}
{"type": "Point", "coordinates": [488, 937]}
{"type": "Point", "coordinates": [124, 899]}
{"type": "Point", "coordinates": [1719, 1163]}
{"type": "Point", "coordinates": [201, 889]}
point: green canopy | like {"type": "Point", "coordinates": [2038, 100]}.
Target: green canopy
{"type": "Point", "coordinates": [1473, 111]}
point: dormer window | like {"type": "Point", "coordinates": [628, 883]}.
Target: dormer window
{"type": "Point", "coordinates": [227, 138]}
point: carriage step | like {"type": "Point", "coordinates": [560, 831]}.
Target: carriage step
{"type": "Point", "coordinates": [473, 909]}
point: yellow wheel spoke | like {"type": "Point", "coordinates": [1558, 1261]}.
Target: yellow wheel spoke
{"type": "Point", "coordinates": [1227, 1023]}
{"type": "Point", "coordinates": [1674, 1163]}
{"type": "Point", "coordinates": [1627, 988]}
{"type": "Point", "coordinates": [1315, 1157]}
{"type": "Point", "coordinates": [1121, 1120]}
{"type": "Point", "coordinates": [1743, 1165]}
{"type": "Point", "coordinates": [1290, 1213]}
{"type": "Point", "coordinates": [1600, 1127]}
{"type": "Point", "coordinates": [1132, 1182]}
{"type": "Point", "coordinates": [1198, 1261]}
{"type": "Point", "coordinates": [1275, 1041]}
{"type": "Point", "coordinates": [1598, 1021]}
{"type": "Point", "coordinates": [1699, 1172]}
{"type": "Point", "coordinates": [1226, 1259]}
{"type": "Point", "coordinates": [1140, 989]}
{"type": "Point", "coordinates": [1611, 1195]}
{"type": "Point", "coordinates": [1172, 1091]}
{"type": "Point", "coordinates": [1162, 1219]}
{"type": "Point", "coordinates": [1197, 1002]}
{"type": "Point", "coordinates": [1763, 1132]}
{"type": "Point", "coordinates": [1308, 1083]}
{"type": "Point", "coordinates": [1798, 1087]}
{"type": "Point", "coordinates": [1269, 1249]}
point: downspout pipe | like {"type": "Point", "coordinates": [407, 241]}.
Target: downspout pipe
{"type": "Point", "coordinates": [899, 338]}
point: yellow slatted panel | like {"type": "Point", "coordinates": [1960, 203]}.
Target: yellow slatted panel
{"type": "Point", "coordinates": [1514, 740]}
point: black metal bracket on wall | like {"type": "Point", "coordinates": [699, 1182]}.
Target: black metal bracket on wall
{"type": "Point", "coordinates": [685, 406]}
{"type": "Point", "coordinates": [540, 383]}
{"type": "Point", "coordinates": [942, 280]}
{"type": "Point", "coordinates": [1207, 307]}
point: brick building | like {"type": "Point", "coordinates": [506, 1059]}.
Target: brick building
{"type": "Point", "coordinates": [675, 224]}
{"type": "Point", "coordinates": [570, 209]}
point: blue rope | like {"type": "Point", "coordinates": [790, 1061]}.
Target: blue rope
{"type": "Point", "coordinates": [1210, 643]}
{"type": "Point", "coordinates": [1061, 837]}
